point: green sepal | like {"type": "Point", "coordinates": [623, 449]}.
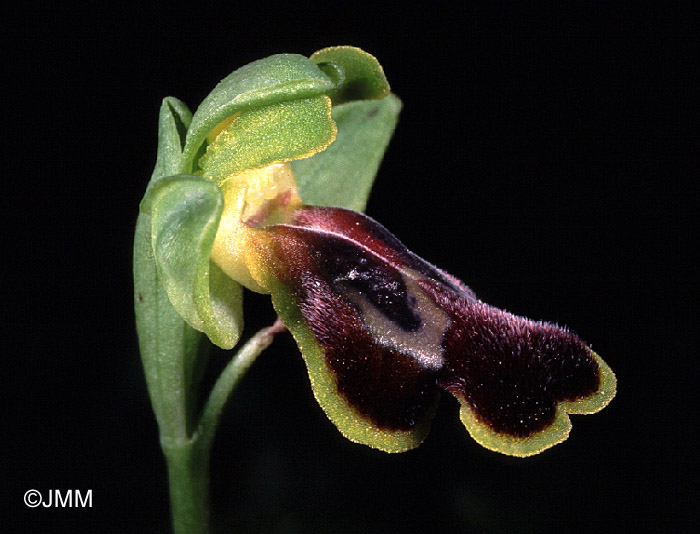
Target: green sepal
{"type": "Point", "coordinates": [268, 81]}
{"type": "Point", "coordinates": [362, 75]}
{"type": "Point", "coordinates": [343, 174]}
{"type": "Point", "coordinates": [185, 211]}
{"type": "Point", "coordinates": [272, 134]}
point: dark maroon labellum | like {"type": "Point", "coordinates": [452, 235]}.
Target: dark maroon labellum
{"type": "Point", "coordinates": [394, 329]}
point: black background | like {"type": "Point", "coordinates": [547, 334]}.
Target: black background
{"type": "Point", "coordinates": [545, 157]}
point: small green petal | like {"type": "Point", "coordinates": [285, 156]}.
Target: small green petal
{"type": "Point", "coordinates": [343, 174]}
{"type": "Point", "coordinates": [272, 134]}
{"type": "Point", "coordinates": [363, 76]}
{"type": "Point", "coordinates": [268, 81]}
{"type": "Point", "coordinates": [185, 214]}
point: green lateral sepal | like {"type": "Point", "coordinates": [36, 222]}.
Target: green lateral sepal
{"type": "Point", "coordinates": [185, 211]}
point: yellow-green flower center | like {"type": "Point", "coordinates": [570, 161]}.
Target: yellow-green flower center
{"type": "Point", "coordinates": [252, 199]}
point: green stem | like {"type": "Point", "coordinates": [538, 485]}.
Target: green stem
{"type": "Point", "coordinates": [188, 474]}
{"type": "Point", "coordinates": [188, 459]}
{"type": "Point", "coordinates": [229, 378]}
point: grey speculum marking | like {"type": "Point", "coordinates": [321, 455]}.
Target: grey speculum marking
{"type": "Point", "coordinates": [382, 288]}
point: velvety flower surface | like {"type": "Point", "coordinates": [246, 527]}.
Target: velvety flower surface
{"type": "Point", "coordinates": [382, 332]}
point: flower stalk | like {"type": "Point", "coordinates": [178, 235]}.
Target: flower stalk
{"type": "Point", "coordinates": [229, 379]}
{"type": "Point", "coordinates": [188, 459]}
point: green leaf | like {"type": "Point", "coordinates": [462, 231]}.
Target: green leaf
{"type": "Point", "coordinates": [343, 174]}
{"type": "Point", "coordinates": [271, 134]}
{"type": "Point", "coordinates": [362, 75]}
{"type": "Point", "coordinates": [264, 82]}
{"type": "Point", "coordinates": [170, 349]}
{"type": "Point", "coordinates": [186, 210]}
{"type": "Point", "coordinates": [172, 352]}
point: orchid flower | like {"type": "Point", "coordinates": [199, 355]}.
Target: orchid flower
{"type": "Point", "coordinates": [262, 188]}
{"type": "Point", "coordinates": [382, 331]}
